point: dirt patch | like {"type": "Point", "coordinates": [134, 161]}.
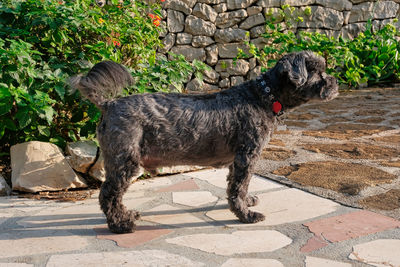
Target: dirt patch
{"type": "Point", "coordinates": [277, 154]}
{"type": "Point", "coordinates": [371, 112]}
{"type": "Point", "coordinates": [334, 120]}
{"type": "Point", "coordinates": [395, 163]}
{"type": "Point", "coordinates": [386, 201]}
{"type": "Point", "coordinates": [64, 196]}
{"type": "Point", "coordinates": [354, 151]}
{"type": "Point", "coordinates": [301, 116]}
{"type": "Point", "coordinates": [371, 120]}
{"type": "Point", "coordinates": [276, 142]}
{"type": "Point", "coordinates": [340, 127]}
{"type": "Point", "coordinates": [300, 124]}
{"type": "Point", "coordinates": [341, 135]}
{"type": "Point", "coordinates": [348, 178]}
{"type": "Point", "coordinates": [395, 139]}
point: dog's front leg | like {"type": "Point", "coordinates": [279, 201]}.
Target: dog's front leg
{"type": "Point", "coordinates": [239, 176]}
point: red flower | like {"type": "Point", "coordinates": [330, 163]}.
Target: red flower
{"type": "Point", "coordinates": [162, 0]}
{"type": "Point", "coordinates": [151, 15]}
{"type": "Point", "coordinates": [116, 43]}
{"type": "Point", "coordinates": [156, 22]}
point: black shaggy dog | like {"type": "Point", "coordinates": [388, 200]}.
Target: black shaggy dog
{"type": "Point", "coordinates": [228, 128]}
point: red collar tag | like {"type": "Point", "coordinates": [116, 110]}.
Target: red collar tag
{"type": "Point", "coordinates": [276, 107]}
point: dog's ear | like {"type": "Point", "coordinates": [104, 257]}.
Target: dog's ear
{"type": "Point", "coordinates": [293, 68]}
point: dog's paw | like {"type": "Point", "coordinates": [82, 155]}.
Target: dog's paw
{"type": "Point", "coordinates": [252, 201]}
{"type": "Point", "coordinates": [252, 217]}
{"type": "Point", "coordinates": [126, 224]}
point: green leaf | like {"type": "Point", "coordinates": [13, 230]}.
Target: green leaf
{"type": "Point", "coordinates": [60, 89]}
{"type": "Point", "coordinates": [23, 117]}
{"type": "Point", "coordinates": [44, 130]}
{"type": "Point", "coordinates": [5, 99]}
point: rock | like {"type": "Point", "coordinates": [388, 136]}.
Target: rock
{"type": "Point", "coordinates": [352, 30]}
{"type": "Point", "coordinates": [273, 15]}
{"type": "Point", "coordinates": [221, 8]}
{"type": "Point", "coordinates": [177, 5]}
{"type": "Point", "coordinates": [183, 38]}
{"type": "Point", "coordinates": [228, 19]}
{"type": "Point", "coordinates": [335, 4]}
{"type": "Point", "coordinates": [97, 171]}
{"type": "Point", "coordinates": [329, 33]}
{"type": "Point", "coordinates": [238, 4]}
{"type": "Point", "coordinates": [198, 26]}
{"type": "Point", "coordinates": [168, 42]}
{"type": "Point", "coordinates": [269, 3]}
{"type": "Point", "coordinates": [39, 166]}
{"type": "Point", "coordinates": [257, 31]}
{"type": "Point", "coordinates": [230, 50]}
{"type": "Point", "coordinates": [253, 10]}
{"type": "Point", "coordinates": [211, 2]}
{"type": "Point", "coordinates": [190, 3]}
{"type": "Point", "coordinates": [189, 52]}
{"type": "Point", "coordinates": [252, 21]}
{"type": "Point", "coordinates": [202, 41]}
{"type": "Point", "coordinates": [322, 17]}
{"type": "Point", "coordinates": [205, 12]}
{"type": "Point", "coordinates": [225, 83]}
{"type": "Point", "coordinates": [297, 2]}
{"type": "Point", "coordinates": [373, 10]}
{"type": "Point", "coordinates": [212, 55]}
{"type": "Point", "coordinates": [231, 35]}
{"type": "Point", "coordinates": [224, 75]}
{"type": "Point", "coordinates": [259, 42]}
{"type": "Point", "coordinates": [82, 154]}
{"type": "Point", "coordinates": [252, 63]}
{"type": "Point", "coordinates": [5, 189]}
{"type": "Point", "coordinates": [346, 17]}
{"type": "Point", "coordinates": [211, 76]}
{"type": "Point", "coordinates": [226, 65]}
{"type": "Point", "coordinates": [254, 73]}
{"type": "Point", "coordinates": [175, 21]}
{"type": "Point", "coordinates": [236, 80]}
{"type": "Point", "coordinates": [195, 86]}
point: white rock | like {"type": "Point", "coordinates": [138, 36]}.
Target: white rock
{"type": "Point", "coordinates": [169, 215]}
{"type": "Point", "coordinates": [183, 38]}
{"type": "Point", "coordinates": [97, 171]}
{"type": "Point", "coordinates": [39, 166]}
{"type": "Point", "coordinates": [373, 10]}
{"type": "Point", "coordinates": [193, 198]}
{"type": "Point", "coordinates": [212, 55]}
{"type": "Point", "coordinates": [381, 252]}
{"type": "Point", "coordinates": [228, 19]}
{"type": "Point", "coordinates": [237, 4]}
{"type": "Point", "coordinates": [205, 11]}
{"type": "Point", "coordinates": [202, 41]}
{"type": "Point", "coordinates": [240, 67]}
{"type": "Point", "coordinates": [145, 258]}
{"type": "Point", "coordinates": [240, 262]}
{"type": "Point", "coordinates": [175, 21]}
{"type": "Point", "coordinates": [82, 154]}
{"type": "Point", "coordinates": [236, 80]}
{"type": "Point", "coordinates": [230, 50]}
{"type": "Point", "coordinates": [229, 244]}
{"type": "Point", "coordinates": [198, 26]}
{"type": "Point", "coordinates": [317, 262]}
{"type": "Point", "coordinates": [5, 189]}
{"type": "Point", "coordinates": [252, 21]}
{"type": "Point", "coordinates": [189, 52]}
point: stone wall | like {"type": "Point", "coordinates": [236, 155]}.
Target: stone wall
{"type": "Point", "coordinates": [212, 30]}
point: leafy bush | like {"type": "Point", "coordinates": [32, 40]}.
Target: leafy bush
{"type": "Point", "coordinates": [42, 43]}
{"type": "Point", "coordinates": [372, 57]}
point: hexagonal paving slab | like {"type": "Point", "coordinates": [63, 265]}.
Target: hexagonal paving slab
{"type": "Point", "coordinates": [229, 244]}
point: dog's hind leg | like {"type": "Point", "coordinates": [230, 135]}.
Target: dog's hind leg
{"type": "Point", "coordinates": [120, 170]}
{"type": "Point", "coordinates": [239, 176]}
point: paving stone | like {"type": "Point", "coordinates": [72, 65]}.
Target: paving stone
{"type": "Point", "coordinates": [182, 186]}
{"type": "Point", "coordinates": [15, 264]}
{"type": "Point", "coordinates": [230, 244]}
{"type": "Point", "coordinates": [44, 241]}
{"type": "Point", "coordinates": [169, 215]}
{"type": "Point", "coordinates": [381, 252]}
{"type": "Point", "coordinates": [217, 177]}
{"type": "Point", "coordinates": [194, 198]}
{"type": "Point", "coordinates": [4, 217]}
{"type": "Point", "coordinates": [122, 258]}
{"type": "Point", "coordinates": [142, 234]}
{"type": "Point", "coordinates": [298, 206]}
{"type": "Point", "coordinates": [351, 225]}
{"type": "Point", "coordinates": [240, 262]}
{"type": "Point", "coordinates": [317, 262]}
{"type": "Point", "coordinates": [149, 184]}
{"type": "Point", "coordinates": [313, 243]}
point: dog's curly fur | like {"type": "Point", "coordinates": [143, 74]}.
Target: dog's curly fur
{"type": "Point", "coordinates": [228, 128]}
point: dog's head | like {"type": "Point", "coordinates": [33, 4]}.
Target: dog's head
{"type": "Point", "coordinates": [300, 77]}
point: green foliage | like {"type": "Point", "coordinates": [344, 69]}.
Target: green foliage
{"type": "Point", "coordinates": [372, 57]}
{"type": "Point", "coordinates": [43, 42]}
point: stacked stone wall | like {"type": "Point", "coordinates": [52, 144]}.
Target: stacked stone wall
{"type": "Point", "coordinates": [212, 30]}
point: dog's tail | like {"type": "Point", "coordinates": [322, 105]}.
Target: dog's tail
{"type": "Point", "coordinates": [103, 82]}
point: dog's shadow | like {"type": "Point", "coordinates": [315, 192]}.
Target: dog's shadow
{"type": "Point", "coordinates": [88, 224]}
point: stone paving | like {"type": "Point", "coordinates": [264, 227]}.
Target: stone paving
{"type": "Point", "coordinates": [186, 222]}
{"type": "Point", "coordinates": [332, 160]}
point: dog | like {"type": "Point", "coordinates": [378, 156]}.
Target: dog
{"type": "Point", "coordinates": [227, 128]}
